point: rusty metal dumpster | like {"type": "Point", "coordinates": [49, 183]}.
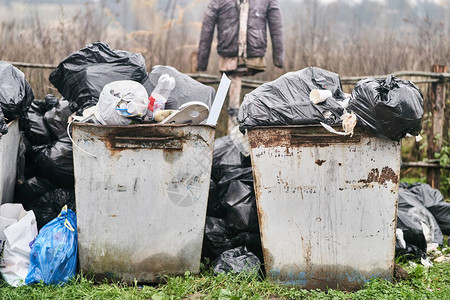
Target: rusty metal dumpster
{"type": "Point", "coordinates": [141, 202]}
{"type": "Point", "coordinates": [9, 146]}
{"type": "Point", "coordinates": [327, 205]}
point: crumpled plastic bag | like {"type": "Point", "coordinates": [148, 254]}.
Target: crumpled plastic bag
{"type": "Point", "coordinates": [56, 119]}
{"type": "Point", "coordinates": [53, 256]}
{"type": "Point", "coordinates": [186, 88]}
{"type": "Point", "coordinates": [3, 125]}
{"type": "Point", "coordinates": [38, 133]}
{"type": "Point", "coordinates": [389, 108]}
{"type": "Point", "coordinates": [81, 76]}
{"type": "Point", "coordinates": [31, 189]}
{"type": "Point", "coordinates": [117, 94]}
{"type": "Point", "coordinates": [16, 96]}
{"type": "Point", "coordinates": [285, 101]}
{"type": "Point", "coordinates": [236, 260]}
{"type": "Point", "coordinates": [48, 206]}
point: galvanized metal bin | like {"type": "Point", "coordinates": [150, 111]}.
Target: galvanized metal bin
{"type": "Point", "coordinates": [141, 203]}
{"type": "Point", "coordinates": [9, 147]}
{"type": "Point", "coordinates": [327, 205]}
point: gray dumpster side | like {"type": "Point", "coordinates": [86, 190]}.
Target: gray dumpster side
{"type": "Point", "coordinates": [327, 205]}
{"type": "Point", "coordinates": [141, 203]}
{"type": "Point", "coordinates": [9, 147]}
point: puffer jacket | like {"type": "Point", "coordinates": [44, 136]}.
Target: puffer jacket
{"type": "Point", "coordinates": [225, 14]}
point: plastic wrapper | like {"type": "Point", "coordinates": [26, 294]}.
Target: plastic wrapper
{"type": "Point", "coordinates": [55, 162]}
{"type": "Point", "coordinates": [48, 206]}
{"type": "Point", "coordinates": [434, 201]}
{"type": "Point", "coordinates": [389, 108]}
{"type": "Point", "coordinates": [82, 75]}
{"type": "Point", "coordinates": [16, 95]}
{"type": "Point", "coordinates": [186, 89]}
{"type": "Point", "coordinates": [414, 219]}
{"type": "Point", "coordinates": [236, 260]}
{"type": "Point", "coordinates": [56, 119]}
{"type": "Point", "coordinates": [285, 101]}
{"type": "Point", "coordinates": [32, 189]}
{"type": "Point", "coordinates": [53, 256]}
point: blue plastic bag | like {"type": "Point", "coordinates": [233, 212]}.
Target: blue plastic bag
{"type": "Point", "coordinates": [53, 256]}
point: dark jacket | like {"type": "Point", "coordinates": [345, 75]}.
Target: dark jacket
{"type": "Point", "coordinates": [225, 14]}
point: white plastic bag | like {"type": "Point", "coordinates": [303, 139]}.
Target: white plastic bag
{"type": "Point", "coordinates": [18, 236]}
{"type": "Point", "coordinates": [114, 98]}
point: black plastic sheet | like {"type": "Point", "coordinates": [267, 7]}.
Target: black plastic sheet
{"type": "Point", "coordinates": [389, 108]}
{"type": "Point", "coordinates": [16, 96]}
{"type": "Point", "coordinates": [48, 206]}
{"type": "Point", "coordinates": [285, 101]}
{"type": "Point", "coordinates": [55, 162]}
{"type": "Point", "coordinates": [186, 89]}
{"type": "Point", "coordinates": [236, 260]}
{"type": "Point", "coordinates": [82, 75]}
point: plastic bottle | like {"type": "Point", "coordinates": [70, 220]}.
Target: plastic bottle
{"type": "Point", "coordinates": [160, 94]}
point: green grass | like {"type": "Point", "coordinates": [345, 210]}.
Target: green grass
{"type": "Point", "coordinates": [432, 283]}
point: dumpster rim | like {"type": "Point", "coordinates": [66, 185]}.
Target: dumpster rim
{"type": "Point", "coordinates": [141, 125]}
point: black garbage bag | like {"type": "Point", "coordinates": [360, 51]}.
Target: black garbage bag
{"type": "Point", "coordinates": [3, 126]}
{"type": "Point", "coordinates": [81, 76]}
{"type": "Point", "coordinates": [215, 207]}
{"type": "Point", "coordinates": [251, 240]}
{"type": "Point", "coordinates": [216, 239]}
{"type": "Point", "coordinates": [414, 219]}
{"type": "Point", "coordinates": [236, 260]}
{"type": "Point", "coordinates": [186, 89]}
{"type": "Point", "coordinates": [55, 162]}
{"type": "Point", "coordinates": [56, 119]}
{"type": "Point", "coordinates": [389, 108]}
{"type": "Point", "coordinates": [38, 134]}
{"type": "Point", "coordinates": [434, 201]}
{"type": "Point", "coordinates": [32, 189]}
{"type": "Point", "coordinates": [16, 95]}
{"type": "Point", "coordinates": [48, 206]}
{"type": "Point", "coordinates": [285, 101]}
{"type": "Point", "coordinates": [240, 206]}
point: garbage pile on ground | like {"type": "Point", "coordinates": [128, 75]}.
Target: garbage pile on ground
{"type": "Point", "coordinates": [389, 108]}
{"type": "Point", "coordinates": [15, 97]}
{"type": "Point", "coordinates": [422, 220]}
{"type": "Point", "coordinates": [232, 219]}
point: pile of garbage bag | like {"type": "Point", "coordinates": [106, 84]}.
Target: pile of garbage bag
{"type": "Point", "coordinates": [231, 219]}
{"type": "Point", "coordinates": [389, 108]}
{"type": "Point", "coordinates": [422, 219]}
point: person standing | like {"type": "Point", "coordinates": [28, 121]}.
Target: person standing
{"type": "Point", "coordinates": [242, 41]}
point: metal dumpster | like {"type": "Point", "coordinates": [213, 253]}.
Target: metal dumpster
{"type": "Point", "coordinates": [9, 147]}
{"type": "Point", "coordinates": [141, 202]}
{"type": "Point", "coordinates": [327, 205]}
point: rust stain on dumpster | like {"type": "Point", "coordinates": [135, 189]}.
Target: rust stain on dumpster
{"type": "Point", "coordinates": [374, 176]}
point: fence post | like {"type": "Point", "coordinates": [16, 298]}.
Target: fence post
{"type": "Point", "coordinates": [435, 136]}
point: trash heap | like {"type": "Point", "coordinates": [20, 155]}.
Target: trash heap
{"type": "Point", "coordinates": [232, 238]}
{"type": "Point", "coordinates": [423, 217]}
{"type": "Point", "coordinates": [389, 108]}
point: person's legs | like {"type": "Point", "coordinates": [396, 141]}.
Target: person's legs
{"type": "Point", "coordinates": [234, 98]}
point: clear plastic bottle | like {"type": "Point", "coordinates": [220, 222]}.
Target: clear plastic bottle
{"type": "Point", "coordinates": [160, 94]}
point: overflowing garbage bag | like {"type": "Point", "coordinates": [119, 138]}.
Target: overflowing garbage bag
{"type": "Point", "coordinates": [56, 118]}
{"type": "Point", "coordinates": [16, 96]}
{"type": "Point", "coordinates": [53, 256]}
{"type": "Point", "coordinates": [17, 231]}
{"type": "Point", "coordinates": [82, 75]}
{"type": "Point", "coordinates": [48, 206]}
{"type": "Point", "coordinates": [32, 189]}
{"type": "Point", "coordinates": [236, 260]}
{"type": "Point", "coordinates": [186, 89]}
{"type": "Point", "coordinates": [286, 100]}
{"type": "Point", "coordinates": [38, 134]}
{"type": "Point", "coordinates": [389, 108]}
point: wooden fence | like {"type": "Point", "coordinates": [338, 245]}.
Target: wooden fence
{"type": "Point", "coordinates": [434, 86]}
